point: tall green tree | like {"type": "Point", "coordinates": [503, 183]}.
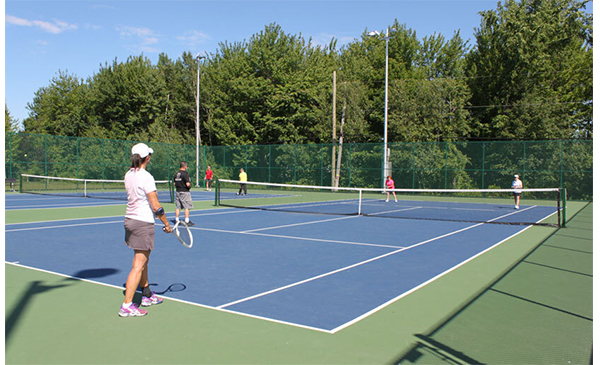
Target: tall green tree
{"type": "Point", "coordinates": [62, 108]}
{"type": "Point", "coordinates": [272, 89]}
{"type": "Point", "coordinates": [427, 91]}
{"type": "Point", "coordinates": [10, 124]}
{"type": "Point", "coordinates": [128, 97]}
{"type": "Point", "coordinates": [531, 70]}
{"type": "Point", "coordinates": [180, 108]}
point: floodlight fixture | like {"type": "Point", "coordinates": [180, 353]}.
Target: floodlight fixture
{"type": "Point", "coordinates": [386, 167]}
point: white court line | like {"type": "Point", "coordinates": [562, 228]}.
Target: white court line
{"type": "Point", "coordinates": [376, 309]}
{"type": "Point", "coordinates": [62, 226]}
{"type": "Point", "coordinates": [63, 206]}
{"type": "Point", "coordinates": [434, 207]}
{"type": "Point", "coordinates": [354, 265]}
{"type": "Point", "coordinates": [295, 237]}
{"type": "Point", "coordinates": [343, 268]}
{"type": "Point", "coordinates": [206, 229]}
{"type": "Point", "coordinates": [228, 211]}
{"type": "Point", "coordinates": [284, 322]}
{"type": "Point", "coordinates": [19, 198]}
{"type": "Point", "coordinates": [174, 299]}
{"type": "Point", "coordinates": [298, 224]}
{"type": "Point", "coordinates": [397, 210]}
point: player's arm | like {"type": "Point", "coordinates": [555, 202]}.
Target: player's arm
{"type": "Point", "coordinates": [188, 183]}
{"type": "Point", "coordinates": [158, 210]}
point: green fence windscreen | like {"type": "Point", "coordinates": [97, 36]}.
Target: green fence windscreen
{"type": "Point", "coordinates": [432, 165]}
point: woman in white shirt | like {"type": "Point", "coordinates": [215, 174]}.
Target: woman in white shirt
{"type": "Point", "coordinates": [517, 185]}
{"type": "Point", "coordinates": [142, 208]}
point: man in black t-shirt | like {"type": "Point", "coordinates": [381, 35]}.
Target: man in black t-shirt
{"type": "Point", "coordinates": [183, 197]}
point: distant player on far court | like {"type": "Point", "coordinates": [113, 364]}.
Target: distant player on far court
{"type": "Point", "coordinates": [183, 197]}
{"type": "Point", "coordinates": [517, 185]}
{"type": "Point", "coordinates": [243, 180]}
{"type": "Point", "coordinates": [208, 177]}
{"type": "Point", "coordinates": [389, 184]}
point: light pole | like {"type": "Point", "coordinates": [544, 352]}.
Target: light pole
{"type": "Point", "coordinates": [387, 38]}
{"type": "Point", "coordinates": [198, 58]}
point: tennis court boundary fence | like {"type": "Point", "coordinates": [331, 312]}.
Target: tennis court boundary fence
{"type": "Point", "coordinates": [433, 165]}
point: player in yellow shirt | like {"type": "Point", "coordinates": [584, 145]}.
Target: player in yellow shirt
{"type": "Point", "coordinates": [243, 179]}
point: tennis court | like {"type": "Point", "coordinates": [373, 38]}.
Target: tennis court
{"type": "Point", "coordinates": [318, 273]}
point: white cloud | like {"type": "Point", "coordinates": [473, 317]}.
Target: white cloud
{"type": "Point", "coordinates": [92, 26]}
{"type": "Point", "coordinates": [194, 37]}
{"type": "Point", "coordinates": [323, 40]}
{"type": "Point", "coordinates": [55, 28]}
{"type": "Point", "coordinates": [17, 21]}
{"type": "Point", "coordinates": [146, 35]}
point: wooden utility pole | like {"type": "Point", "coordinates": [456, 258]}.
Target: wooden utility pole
{"type": "Point", "coordinates": [339, 161]}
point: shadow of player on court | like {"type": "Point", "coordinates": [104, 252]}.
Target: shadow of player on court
{"type": "Point", "coordinates": [39, 287]}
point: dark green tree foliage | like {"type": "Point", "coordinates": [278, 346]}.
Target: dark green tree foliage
{"type": "Point", "coordinates": [529, 76]}
{"type": "Point", "coordinates": [10, 124]}
{"type": "Point", "coordinates": [427, 91]}
{"type": "Point", "coordinates": [531, 71]}
{"type": "Point", "coordinates": [60, 108]}
{"type": "Point", "coordinates": [128, 97]}
{"type": "Point", "coordinates": [272, 89]}
{"type": "Point", "coordinates": [180, 106]}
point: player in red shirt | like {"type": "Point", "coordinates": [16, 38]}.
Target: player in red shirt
{"type": "Point", "coordinates": [208, 177]}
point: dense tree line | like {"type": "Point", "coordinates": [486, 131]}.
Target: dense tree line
{"type": "Point", "coordinates": [528, 76]}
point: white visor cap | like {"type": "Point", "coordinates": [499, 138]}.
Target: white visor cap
{"type": "Point", "coordinates": [141, 149]}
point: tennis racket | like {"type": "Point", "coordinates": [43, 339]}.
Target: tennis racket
{"type": "Point", "coordinates": [184, 235]}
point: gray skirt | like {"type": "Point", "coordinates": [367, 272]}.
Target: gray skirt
{"type": "Point", "coordinates": [139, 235]}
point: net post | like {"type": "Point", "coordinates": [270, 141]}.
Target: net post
{"type": "Point", "coordinates": [85, 188]}
{"type": "Point", "coordinates": [21, 183]}
{"type": "Point", "coordinates": [564, 206]}
{"type": "Point", "coordinates": [558, 199]}
{"type": "Point", "coordinates": [217, 194]}
{"type": "Point", "coordinates": [360, 202]}
{"type": "Point", "coordinates": [172, 191]}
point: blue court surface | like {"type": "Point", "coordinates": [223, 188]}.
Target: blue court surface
{"type": "Point", "coordinates": [41, 201]}
{"type": "Point", "coordinates": [322, 272]}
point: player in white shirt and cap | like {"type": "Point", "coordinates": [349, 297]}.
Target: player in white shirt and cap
{"type": "Point", "coordinates": [517, 185]}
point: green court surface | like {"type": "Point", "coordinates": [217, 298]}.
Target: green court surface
{"type": "Point", "coordinates": [527, 301]}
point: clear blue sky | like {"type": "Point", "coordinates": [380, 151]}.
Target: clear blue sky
{"type": "Point", "coordinates": [43, 37]}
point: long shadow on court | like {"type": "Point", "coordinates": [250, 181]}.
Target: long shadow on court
{"type": "Point", "coordinates": [38, 287]}
{"type": "Point", "coordinates": [520, 311]}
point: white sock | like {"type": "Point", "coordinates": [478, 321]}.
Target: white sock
{"type": "Point", "coordinates": [187, 220]}
{"type": "Point", "coordinates": [126, 305]}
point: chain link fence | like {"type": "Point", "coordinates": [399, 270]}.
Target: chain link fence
{"type": "Point", "coordinates": [461, 165]}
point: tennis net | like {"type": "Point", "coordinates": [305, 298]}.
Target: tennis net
{"type": "Point", "coordinates": [537, 206]}
{"type": "Point", "coordinates": [88, 188]}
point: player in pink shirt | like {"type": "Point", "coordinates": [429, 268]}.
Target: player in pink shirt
{"type": "Point", "coordinates": [389, 184]}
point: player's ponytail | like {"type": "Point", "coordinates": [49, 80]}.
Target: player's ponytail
{"type": "Point", "coordinates": [136, 161]}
